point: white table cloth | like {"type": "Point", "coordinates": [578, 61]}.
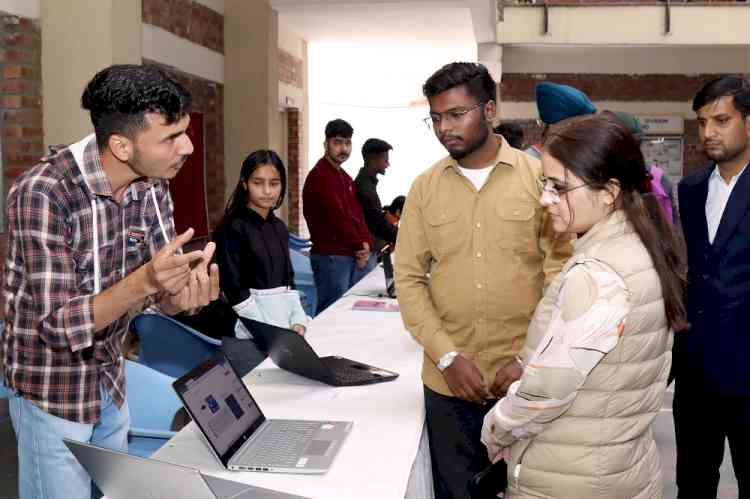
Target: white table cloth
{"type": "Point", "coordinates": [386, 456]}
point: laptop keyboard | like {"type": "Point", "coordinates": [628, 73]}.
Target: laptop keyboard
{"type": "Point", "coordinates": [344, 372]}
{"type": "Point", "coordinates": [281, 445]}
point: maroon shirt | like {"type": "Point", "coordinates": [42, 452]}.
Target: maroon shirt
{"type": "Point", "coordinates": [333, 214]}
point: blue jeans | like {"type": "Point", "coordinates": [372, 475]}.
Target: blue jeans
{"type": "Point", "coordinates": [46, 468]}
{"type": "Point", "coordinates": [334, 275]}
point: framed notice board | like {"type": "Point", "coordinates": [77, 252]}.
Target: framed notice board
{"type": "Point", "coordinates": [188, 188]}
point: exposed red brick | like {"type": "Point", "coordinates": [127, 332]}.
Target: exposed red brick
{"type": "Point", "coordinates": [18, 86]}
{"type": "Point", "coordinates": [519, 87]}
{"type": "Point", "coordinates": [187, 19]}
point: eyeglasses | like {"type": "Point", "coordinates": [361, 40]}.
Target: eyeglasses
{"type": "Point", "coordinates": [554, 191]}
{"type": "Point", "coordinates": [450, 116]}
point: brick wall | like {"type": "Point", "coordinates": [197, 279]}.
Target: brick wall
{"type": "Point", "coordinates": [291, 69]}
{"type": "Point", "coordinates": [20, 96]}
{"type": "Point", "coordinates": [208, 98]}
{"type": "Point", "coordinates": [295, 170]}
{"type": "Point", "coordinates": [187, 19]}
{"type": "Point", "coordinates": [517, 87]}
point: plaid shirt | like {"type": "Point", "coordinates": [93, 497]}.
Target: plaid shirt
{"type": "Point", "coordinates": [53, 356]}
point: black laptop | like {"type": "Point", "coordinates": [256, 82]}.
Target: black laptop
{"type": "Point", "coordinates": [293, 353]}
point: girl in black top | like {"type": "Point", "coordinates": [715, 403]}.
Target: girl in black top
{"type": "Point", "coordinates": [252, 248]}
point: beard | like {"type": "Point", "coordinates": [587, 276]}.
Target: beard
{"type": "Point", "coordinates": [459, 154]}
{"type": "Point", "coordinates": [725, 154]}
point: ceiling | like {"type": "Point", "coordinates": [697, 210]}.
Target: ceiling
{"type": "Point", "coordinates": [386, 22]}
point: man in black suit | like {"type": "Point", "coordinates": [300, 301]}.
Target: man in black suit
{"type": "Point", "coordinates": [712, 359]}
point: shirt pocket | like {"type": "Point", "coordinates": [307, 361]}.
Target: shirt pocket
{"type": "Point", "coordinates": [517, 228]}
{"type": "Point", "coordinates": [444, 233]}
{"type": "Point", "coordinates": [85, 272]}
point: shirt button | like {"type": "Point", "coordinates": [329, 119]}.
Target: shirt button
{"type": "Point", "coordinates": [479, 225]}
{"type": "Point", "coordinates": [479, 285]}
{"type": "Point", "coordinates": [480, 320]}
{"type": "Point", "coordinates": [479, 254]}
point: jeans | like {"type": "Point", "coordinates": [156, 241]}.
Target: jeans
{"type": "Point", "coordinates": [334, 275]}
{"type": "Point", "coordinates": [46, 468]}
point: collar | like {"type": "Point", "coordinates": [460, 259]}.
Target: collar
{"type": "Point", "coordinates": [364, 175]}
{"type": "Point", "coordinates": [253, 216]}
{"type": "Point", "coordinates": [716, 176]}
{"type": "Point", "coordinates": [612, 226]}
{"type": "Point", "coordinates": [88, 159]}
{"type": "Point", "coordinates": [504, 157]}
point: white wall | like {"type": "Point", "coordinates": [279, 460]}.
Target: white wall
{"type": "Point", "coordinates": [21, 8]}
{"type": "Point", "coordinates": [378, 89]}
{"type": "Point", "coordinates": [627, 25]}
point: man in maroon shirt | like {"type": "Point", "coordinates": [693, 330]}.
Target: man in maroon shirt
{"type": "Point", "coordinates": [341, 240]}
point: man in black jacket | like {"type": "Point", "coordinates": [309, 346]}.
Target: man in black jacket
{"type": "Point", "coordinates": [375, 155]}
{"type": "Point", "coordinates": [712, 359]}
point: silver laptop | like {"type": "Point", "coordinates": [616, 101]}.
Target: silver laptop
{"type": "Point", "coordinates": [123, 476]}
{"type": "Point", "coordinates": [239, 434]}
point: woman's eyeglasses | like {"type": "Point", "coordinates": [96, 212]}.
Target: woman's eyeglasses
{"type": "Point", "coordinates": [554, 190]}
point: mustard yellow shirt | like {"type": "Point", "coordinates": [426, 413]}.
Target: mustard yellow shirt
{"type": "Point", "coordinates": [472, 265]}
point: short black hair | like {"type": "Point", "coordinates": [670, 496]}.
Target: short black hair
{"type": "Point", "coordinates": [339, 128]}
{"type": "Point", "coordinates": [512, 132]}
{"type": "Point", "coordinates": [733, 86]}
{"type": "Point", "coordinates": [374, 146]}
{"type": "Point", "coordinates": [479, 83]}
{"type": "Point", "coordinates": [118, 98]}
{"type": "Point", "coordinates": [396, 205]}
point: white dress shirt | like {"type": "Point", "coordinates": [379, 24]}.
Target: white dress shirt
{"type": "Point", "coordinates": [718, 196]}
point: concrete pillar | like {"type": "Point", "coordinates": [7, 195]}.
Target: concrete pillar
{"type": "Point", "coordinates": [79, 38]}
{"type": "Point", "coordinates": [251, 84]}
{"type": "Point", "coordinates": [491, 56]}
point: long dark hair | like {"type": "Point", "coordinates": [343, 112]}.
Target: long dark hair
{"type": "Point", "coordinates": [600, 150]}
{"type": "Point", "coordinates": [254, 161]}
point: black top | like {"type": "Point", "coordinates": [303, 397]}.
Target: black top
{"type": "Point", "coordinates": [367, 195]}
{"type": "Point", "coordinates": [252, 253]}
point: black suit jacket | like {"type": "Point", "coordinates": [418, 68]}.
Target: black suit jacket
{"type": "Point", "coordinates": [715, 352]}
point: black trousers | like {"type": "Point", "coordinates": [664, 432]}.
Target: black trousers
{"type": "Point", "coordinates": [454, 428]}
{"type": "Point", "coordinates": [703, 419]}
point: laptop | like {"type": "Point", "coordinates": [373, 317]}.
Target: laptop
{"type": "Point", "coordinates": [123, 476]}
{"type": "Point", "coordinates": [390, 281]}
{"type": "Point", "coordinates": [241, 437]}
{"type": "Point", "coordinates": [293, 353]}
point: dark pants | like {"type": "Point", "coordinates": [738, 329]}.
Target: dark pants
{"type": "Point", "coordinates": [703, 419]}
{"type": "Point", "coordinates": [454, 428]}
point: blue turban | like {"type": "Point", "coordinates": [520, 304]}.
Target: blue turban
{"type": "Point", "coordinates": [557, 102]}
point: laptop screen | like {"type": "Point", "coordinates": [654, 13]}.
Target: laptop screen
{"type": "Point", "coordinates": [220, 405]}
{"type": "Point", "coordinates": [388, 270]}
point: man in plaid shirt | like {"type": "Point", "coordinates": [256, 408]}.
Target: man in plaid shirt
{"type": "Point", "coordinates": [92, 237]}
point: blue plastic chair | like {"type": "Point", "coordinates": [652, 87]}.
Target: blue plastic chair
{"type": "Point", "coordinates": [169, 346]}
{"type": "Point", "coordinates": [304, 281]}
{"type": "Point", "coordinates": [153, 404]}
{"type": "Point", "coordinates": [299, 243]}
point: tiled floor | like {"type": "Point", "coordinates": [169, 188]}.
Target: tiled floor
{"type": "Point", "coordinates": [663, 430]}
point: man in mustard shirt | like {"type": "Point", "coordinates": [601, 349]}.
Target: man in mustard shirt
{"type": "Point", "coordinates": [475, 251]}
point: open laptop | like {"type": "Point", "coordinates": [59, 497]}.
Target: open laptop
{"type": "Point", "coordinates": [123, 476]}
{"type": "Point", "coordinates": [390, 281]}
{"type": "Point", "coordinates": [293, 353]}
{"type": "Point", "coordinates": [241, 437]}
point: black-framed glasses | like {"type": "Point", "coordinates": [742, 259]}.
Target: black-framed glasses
{"type": "Point", "coordinates": [450, 116]}
{"type": "Point", "coordinates": [553, 190]}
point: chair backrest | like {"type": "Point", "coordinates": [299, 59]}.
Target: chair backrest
{"type": "Point", "coordinates": [169, 346]}
{"type": "Point", "coordinates": [151, 399]}
{"type": "Point", "coordinates": [302, 268]}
